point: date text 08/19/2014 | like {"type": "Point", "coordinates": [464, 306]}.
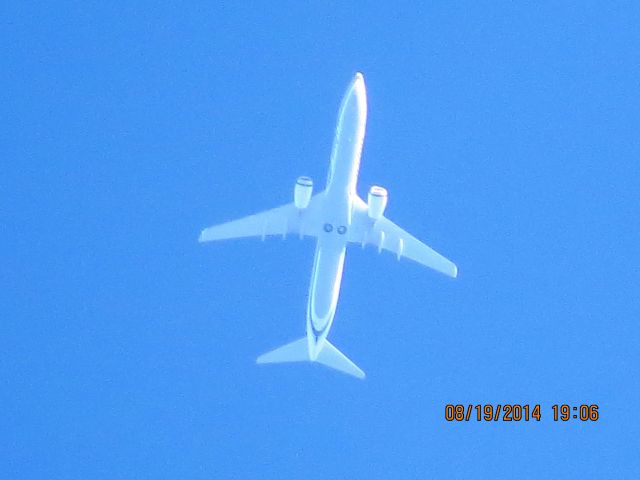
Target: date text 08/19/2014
{"type": "Point", "coordinates": [519, 412]}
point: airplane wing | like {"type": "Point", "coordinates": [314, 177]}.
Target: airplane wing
{"type": "Point", "coordinates": [283, 220]}
{"type": "Point", "coordinates": [384, 234]}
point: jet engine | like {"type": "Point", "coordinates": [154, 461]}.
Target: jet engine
{"type": "Point", "coordinates": [377, 201]}
{"type": "Point", "coordinates": [302, 192]}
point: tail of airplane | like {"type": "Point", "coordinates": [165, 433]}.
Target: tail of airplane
{"type": "Point", "coordinates": [298, 351]}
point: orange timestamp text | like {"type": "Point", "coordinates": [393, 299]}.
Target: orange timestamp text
{"type": "Point", "coordinates": [518, 412]}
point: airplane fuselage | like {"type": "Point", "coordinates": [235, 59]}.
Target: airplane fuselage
{"type": "Point", "coordinates": [337, 204]}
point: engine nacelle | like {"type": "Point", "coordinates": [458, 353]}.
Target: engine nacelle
{"type": "Point", "coordinates": [377, 201]}
{"type": "Point", "coordinates": [302, 192]}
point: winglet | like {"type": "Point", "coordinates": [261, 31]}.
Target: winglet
{"type": "Point", "coordinates": [455, 271]}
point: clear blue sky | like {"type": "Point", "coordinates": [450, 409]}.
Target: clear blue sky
{"type": "Point", "coordinates": [507, 136]}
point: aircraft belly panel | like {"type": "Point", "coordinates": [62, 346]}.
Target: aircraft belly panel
{"type": "Point", "coordinates": [325, 286]}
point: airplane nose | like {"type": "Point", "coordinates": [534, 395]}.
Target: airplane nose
{"type": "Point", "coordinates": [358, 84]}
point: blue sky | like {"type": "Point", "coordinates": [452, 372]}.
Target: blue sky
{"type": "Point", "coordinates": [507, 136]}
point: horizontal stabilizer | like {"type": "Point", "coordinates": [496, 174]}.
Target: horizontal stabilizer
{"type": "Point", "coordinates": [334, 358]}
{"type": "Point", "coordinates": [297, 351]}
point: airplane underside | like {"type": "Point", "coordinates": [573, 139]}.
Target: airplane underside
{"type": "Point", "coordinates": [336, 217]}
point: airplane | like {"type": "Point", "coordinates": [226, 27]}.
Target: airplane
{"type": "Point", "coordinates": [335, 217]}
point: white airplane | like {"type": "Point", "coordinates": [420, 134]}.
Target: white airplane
{"type": "Point", "coordinates": [336, 217]}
